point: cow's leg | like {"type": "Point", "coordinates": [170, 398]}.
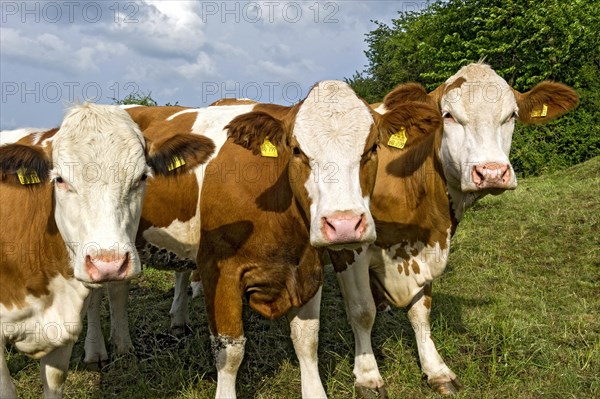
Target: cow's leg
{"type": "Point", "coordinates": [360, 308]}
{"type": "Point", "coordinates": [223, 298]}
{"type": "Point", "coordinates": [439, 376]}
{"type": "Point", "coordinates": [95, 348]}
{"type": "Point", "coordinates": [304, 326]}
{"type": "Point", "coordinates": [7, 388]}
{"type": "Point", "coordinates": [180, 308]}
{"type": "Point", "coordinates": [118, 294]}
{"type": "Point", "coordinates": [54, 367]}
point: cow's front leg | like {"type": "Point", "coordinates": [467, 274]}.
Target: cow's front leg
{"type": "Point", "coordinates": [304, 326]}
{"type": "Point", "coordinates": [7, 388]}
{"type": "Point", "coordinates": [180, 308]}
{"type": "Point", "coordinates": [223, 298]}
{"type": "Point", "coordinates": [95, 348]}
{"type": "Point", "coordinates": [118, 294]}
{"type": "Point", "coordinates": [439, 376]}
{"type": "Point", "coordinates": [54, 367]}
{"type": "Point", "coordinates": [360, 308]}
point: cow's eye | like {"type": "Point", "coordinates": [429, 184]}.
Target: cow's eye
{"type": "Point", "coordinates": [59, 180]}
{"type": "Point", "coordinates": [448, 117]}
{"type": "Point", "coordinates": [144, 177]}
{"type": "Point", "coordinates": [374, 148]}
{"type": "Point", "coordinates": [296, 151]}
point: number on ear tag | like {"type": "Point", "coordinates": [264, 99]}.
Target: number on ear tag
{"type": "Point", "coordinates": [399, 139]}
{"type": "Point", "coordinates": [28, 176]}
{"type": "Point", "coordinates": [540, 113]}
{"type": "Point", "coordinates": [267, 149]}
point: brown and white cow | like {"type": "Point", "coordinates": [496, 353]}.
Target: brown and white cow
{"type": "Point", "coordinates": [71, 200]}
{"type": "Point", "coordinates": [266, 220]}
{"type": "Point", "coordinates": [420, 196]}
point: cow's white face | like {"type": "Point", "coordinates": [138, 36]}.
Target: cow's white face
{"type": "Point", "coordinates": [332, 129]}
{"type": "Point", "coordinates": [479, 110]}
{"type": "Point", "coordinates": [99, 172]}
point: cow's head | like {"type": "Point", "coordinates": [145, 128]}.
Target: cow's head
{"type": "Point", "coordinates": [330, 141]}
{"type": "Point", "coordinates": [479, 109]}
{"type": "Point", "coordinates": [98, 162]}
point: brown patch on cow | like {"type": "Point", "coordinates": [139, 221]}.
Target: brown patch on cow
{"type": "Point", "coordinates": [457, 84]}
{"type": "Point", "coordinates": [32, 251]}
{"type": "Point", "coordinates": [557, 97]}
{"type": "Point", "coordinates": [342, 259]}
{"type": "Point", "coordinates": [232, 101]}
{"type": "Point", "coordinates": [415, 267]}
{"type": "Point", "coordinates": [427, 300]}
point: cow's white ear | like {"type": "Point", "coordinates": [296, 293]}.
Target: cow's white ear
{"type": "Point", "coordinates": [179, 153]}
{"type": "Point", "coordinates": [545, 102]}
{"type": "Point", "coordinates": [24, 165]}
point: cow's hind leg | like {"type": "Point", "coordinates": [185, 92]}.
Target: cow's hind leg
{"type": "Point", "coordinates": [54, 367]}
{"type": "Point", "coordinates": [304, 326]}
{"type": "Point", "coordinates": [95, 348]}
{"type": "Point", "coordinates": [360, 308]}
{"type": "Point", "coordinates": [7, 388]}
{"type": "Point", "coordinates": [180, 308]}
{"type": "Point", "coordinates": [439, 376]}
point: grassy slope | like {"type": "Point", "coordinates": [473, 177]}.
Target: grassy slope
{"type": "Point", "coordinates": [517, 314]}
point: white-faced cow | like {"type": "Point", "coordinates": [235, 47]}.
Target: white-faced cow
{"type": "Point", "coordinates": [421, 194]}
{"type": "Point", "coordinates": [71, 200]}
{"type": "Point", "coordinates": [283, 188]}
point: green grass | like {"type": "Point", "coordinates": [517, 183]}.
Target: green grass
{"type": "Point", "coordinates": [516, 315]}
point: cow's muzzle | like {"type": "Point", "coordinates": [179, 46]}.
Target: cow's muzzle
{"type": "Point", "coordinates": [493, 176]}
{"type": "Point", "coordinates": [108, 266]}
{"type": "Point", "coordinates": [343, 227]}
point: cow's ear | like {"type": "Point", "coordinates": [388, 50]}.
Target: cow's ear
{"type": "Point", "coordinates": [408, 123]}
{"type": "Point", "coordinates": [255, 129]}
{"type": "Point", "coordinates": [404, 93]}
{"type": "Point", "coordinates": [545, 102]}
{"type": "Point", "coordinates": [179, 153]}
{"type": "Point", "coordinates": [24, 165]}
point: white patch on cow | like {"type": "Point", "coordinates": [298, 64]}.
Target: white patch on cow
{"type": "Point", "coordinates": [229, 353]}
{"type": "Point", "coordinates": [331, 128]}
{"type": "Point", "coordinates": [12, 136]}
{"type": "Point", "coordinates": [99, 153]}
{"type": "Point", "coordinates": [46, 322]}
{"type": "Point", "coordinates": [181, 238]}
{"type": "Point", "coordinates": [127, 106]}
{"type": "Point", "coordinates": [390, 270]}
{"type": "Point", "coordinates": [481, 129]}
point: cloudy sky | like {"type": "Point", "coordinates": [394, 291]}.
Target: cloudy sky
{"type": "Point", "coordinates": [193, 52]}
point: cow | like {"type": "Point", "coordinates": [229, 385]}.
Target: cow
{"type": "Point", "coordinates": [420, 196]}
{"type": "Point", "coordinates": [282, 189]}
{"type": "Point", "coordinates": [71, 200]}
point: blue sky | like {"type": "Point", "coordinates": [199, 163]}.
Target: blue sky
{"type": "Point", "coordinates": [55, 52]}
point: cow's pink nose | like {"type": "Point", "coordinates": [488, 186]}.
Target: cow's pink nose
{"type": "Point", "coordinates": [107, 266]}
{"type": "Point", "coordinates": [343, 227]}
{"type": "Point", "coordinates": [491, 175]}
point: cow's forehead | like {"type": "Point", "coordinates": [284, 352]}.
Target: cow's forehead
{"type": "Point", "coordinates": [478, 88]}
{"type": "Point", "coordinates": [98, 133]}
{"type": "Point", "coordinates": [332, 120]}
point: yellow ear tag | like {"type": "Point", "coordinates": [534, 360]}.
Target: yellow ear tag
{"type": "Point", "coordinates": [540, 113]}
{"type": "Point", "coordinates": [398, 140]}
{"type": "Point", "coordinates": [267, 149]}
{"type": "Point", "coordinates": [176, 162]}
{"type": "Point", "coordinates": [28, 176]}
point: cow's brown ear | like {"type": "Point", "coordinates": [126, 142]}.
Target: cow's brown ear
{"type": "Point", "coordinates": [404, 93]}
{"type": "Point", "coordinates": [179, 153]}
{"type": "Point", "coordinates": [545, 102]}
{"type": "Point", "coordinates": [251, 130]}
{"type": "Point", "coordinates": [24, 165]}
{"type": "Point", "coordinates": [408, 123]}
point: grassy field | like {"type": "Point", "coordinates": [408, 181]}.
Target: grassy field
{"type": "Point", "coordinates": [516, 315]}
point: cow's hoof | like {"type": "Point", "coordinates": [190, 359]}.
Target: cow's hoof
{"type": "Point", "coordinates": [370, 393]}
{"type": "Point", "coordinates": [447, 387]}
{"type": "Point", "coordinates": [96, 366]}
{"type": "Point", "coordinates": [181, 331]}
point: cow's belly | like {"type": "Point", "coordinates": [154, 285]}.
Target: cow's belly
{"type": "Point", "coordinates": [173, 247]}
{"type": "Point", "coordinates": [400, 278]}
{"type": "Point", "coordinates": [47, 322]}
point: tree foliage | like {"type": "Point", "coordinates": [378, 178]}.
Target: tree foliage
{"type": "Point", "coordinates": [525, 41]}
